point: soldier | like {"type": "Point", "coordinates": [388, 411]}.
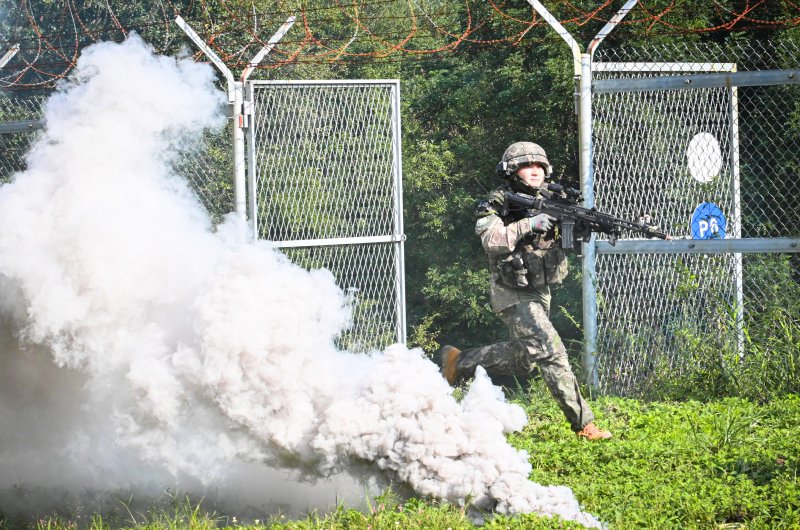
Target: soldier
{"type": "Point", "coordinates": [525, 258]}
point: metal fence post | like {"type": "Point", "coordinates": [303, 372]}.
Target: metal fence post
{"type": "Point", "coordinates": [400, 259]}
{"type": "Point", "coordinates": [9, 55]}
{"type": "Point", "coordinates": [583, 76]}
{"type": "Point", "coordinates": [236, 98]}
{"type": "Point", "coordinates": [589, 359]}
{"type": "Point", "coordinates": [239, 172]}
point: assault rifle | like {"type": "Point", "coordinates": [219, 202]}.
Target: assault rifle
{"type": "Point", "coordinates": [562, 203]}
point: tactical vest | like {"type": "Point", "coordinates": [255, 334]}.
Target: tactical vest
{"type": "Point", "coordinates": [537, 260]}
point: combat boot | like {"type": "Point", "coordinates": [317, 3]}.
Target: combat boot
{"type": "Point", "coordinates": [447, 359]}
{"type": "Point", "coordinates": [591, 432]}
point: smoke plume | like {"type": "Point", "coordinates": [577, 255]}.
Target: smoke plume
{"type": "Point", "coordinates": [139, 346]}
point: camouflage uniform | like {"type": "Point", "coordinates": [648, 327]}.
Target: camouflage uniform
{"type": "Point", "coordinates": [525, 309]}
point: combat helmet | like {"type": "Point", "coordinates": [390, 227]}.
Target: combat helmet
{"type": "Point", "coordinates": [519, 154]}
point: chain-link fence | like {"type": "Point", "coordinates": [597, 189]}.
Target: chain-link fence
{"type": "Point", "coordinates": [206, 163]}
{"type": "Point", "coordinates": [328, 160]}
{"type": "Point", "coordinates": [327, 190]}
{"type": "Point", "coordinates": [708, 159]}
{"type": "Point", "coordinates": [20, 121]}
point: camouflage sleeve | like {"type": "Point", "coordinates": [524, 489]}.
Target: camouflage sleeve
{"type": "Point", "coordinates": [498, 238]}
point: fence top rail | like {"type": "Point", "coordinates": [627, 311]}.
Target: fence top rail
{"type": "Point", "coordinates": [701, 246]}
{"type": "Point", "coordinates": [603, 66]}
{"type": "Point", "coordinates": [694, 81]}
{"type": "Point", "coordinates": [311, 82]}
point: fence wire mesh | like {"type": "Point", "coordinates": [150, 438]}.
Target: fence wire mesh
{"type": "Point", "coordinates": [677, 154]}
{"type": "Point", "coordinates": [329, 161]}
{"type": "Point", "coordinates": [20, 110]}
{"type": "Point", "coordinates": [327, 168]}
{"type": "Point", "coordinates": [325, 158]}
{"type": "Point", "coordinates": [206, 163]}
{"type": "Point", "coordinates": [368, 275]}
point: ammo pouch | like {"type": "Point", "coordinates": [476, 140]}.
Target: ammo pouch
{"type": "Point", "coordinates": [555, 266]}
{"type": "Point", "coordinates": [533, 267]}
{"type": "Point", "coordinates": [513, 272]}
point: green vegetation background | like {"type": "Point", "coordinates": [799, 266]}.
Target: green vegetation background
{"type": "Point", "coordinates": [725, 456]}
{"type": "Point", "coordinates": [461, 108]}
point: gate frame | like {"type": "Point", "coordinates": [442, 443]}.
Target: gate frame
{"type": "Point", "coordinates": [240, 98]}
{"type": "Point", "coordinates": [397, 238]}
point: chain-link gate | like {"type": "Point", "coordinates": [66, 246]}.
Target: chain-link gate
{"type": "Point", "coordinates": [325, 186]}
{"type": "Point", "coordinates": [711, 156]}
{"type": "Point", "coordinates": [329, 192]}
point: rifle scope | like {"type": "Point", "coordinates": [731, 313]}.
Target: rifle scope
{"type": "Point", "coordinates": [570, 193]}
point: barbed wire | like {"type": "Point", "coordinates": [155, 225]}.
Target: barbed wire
{"type": "Point", "coordinates": [51, 35]}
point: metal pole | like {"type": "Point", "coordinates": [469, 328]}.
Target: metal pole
{"type": "Point", "coordinates": [610, 25]}
{"type": "Point", "coordinates": [9, 55]}
{"type": "Point", "coordinates": [733, 116]}
{"type": "Point", "coordinates": [589, 262]}
{"type": "Point", "coordinates": [582, 70]}
{"type": "Point", "coordinates": [252, 204]}
{"type": "Point", "coordinates": [239, 170]}
{"type": "Point", "coordinates": [589, 285]}
{"type": "Point", "coordinates": [257, 58]}
{"type": "Point", "coordinates": [583, 74]}
{"type": "Point", "coordinates": [398, 217]}
{"type": "Point", "coordinates": [246, 121]}
{"type": "Point", "coordinates": [587, 189]}
{"type": "Point", "coordinates": [209, 53]}
{"type": "Point", "coordinates": [562, 32]}
{"type": "Point", "coordinates": [236, 97]}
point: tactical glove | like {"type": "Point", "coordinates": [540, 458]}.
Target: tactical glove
{"type": "Point", "coordinates": [542, 222]}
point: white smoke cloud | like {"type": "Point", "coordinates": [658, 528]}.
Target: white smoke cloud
{"type": "Point", "coordinates": [138, 347]}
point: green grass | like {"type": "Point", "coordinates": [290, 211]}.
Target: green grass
{"type": "Point", "coordinates": [726, 464]}
{"type": "Point", "coordinates": [676, 465]}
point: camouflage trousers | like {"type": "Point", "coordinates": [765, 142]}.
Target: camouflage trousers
{"type": "Point", "coordinates": [534, 341]}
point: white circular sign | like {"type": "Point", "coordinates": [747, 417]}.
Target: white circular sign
{"type": "Point", "coordinates": [704, 157]}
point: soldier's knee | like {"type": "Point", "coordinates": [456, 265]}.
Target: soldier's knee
{"type": "Point", "coordinates": [545, 351]}
{"type": "Point", "coordinates": [531, 344]}
{"type": "Point", "coordinates": [537, 348]}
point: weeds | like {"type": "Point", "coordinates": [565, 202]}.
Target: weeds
{"type": "Point", "coordinates": [764, 367]}
{"type": "Point", "coordinates": [729, 428]}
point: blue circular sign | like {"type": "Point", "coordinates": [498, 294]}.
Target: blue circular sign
{"type": "Point", "coordinates": [708, 222]}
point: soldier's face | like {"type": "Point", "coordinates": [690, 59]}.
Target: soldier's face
{"type": "Point", "coordinates": [533, 175]}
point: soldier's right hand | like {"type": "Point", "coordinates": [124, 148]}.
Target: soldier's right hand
{"type": "Point", "coordinates": [542, 222]}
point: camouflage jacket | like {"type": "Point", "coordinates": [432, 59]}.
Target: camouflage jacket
{"type": "Point", "coordinates": [506, 238]}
